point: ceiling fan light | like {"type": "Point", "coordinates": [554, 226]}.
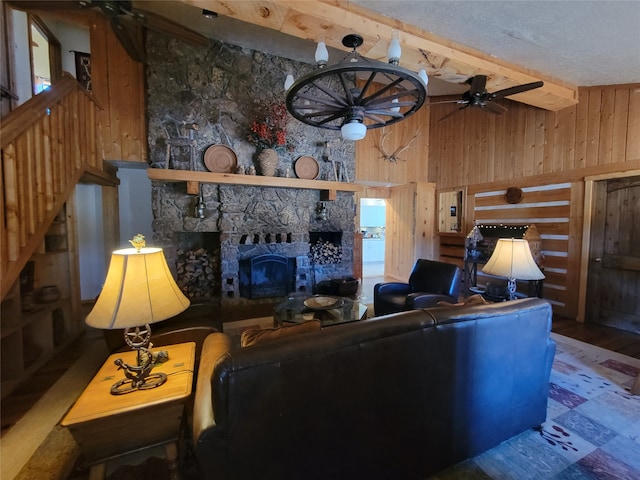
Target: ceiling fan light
{"type": "Point", "coordinates": [322, 54]}
{"type": "Point", "coordinates": [353, 130]}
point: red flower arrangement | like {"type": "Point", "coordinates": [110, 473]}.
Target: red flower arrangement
{"type": "Point", "coordinates": [269, 129]}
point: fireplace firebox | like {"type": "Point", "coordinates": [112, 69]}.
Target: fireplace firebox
{"type": "Point", "coordinates": [268, 275]}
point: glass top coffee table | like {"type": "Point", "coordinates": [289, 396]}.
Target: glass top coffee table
{"type": "Point", "coordinates": [330, 310]}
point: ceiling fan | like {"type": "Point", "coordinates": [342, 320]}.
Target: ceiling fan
{"type": "Point", "coordinates": [126, 22]}
{"type": "Point", "coordinates": [477, 96]}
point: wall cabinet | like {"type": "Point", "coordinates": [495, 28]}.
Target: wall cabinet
{"type": "Point", "coordinates": [373, 250]}
{"type": "Point", "coordinates": [372, 216]}
{"type": "Point", "coordinates": [39, 316]}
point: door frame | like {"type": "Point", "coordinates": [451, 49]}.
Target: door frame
{"type": "Point", "coordinates": [589, 207]}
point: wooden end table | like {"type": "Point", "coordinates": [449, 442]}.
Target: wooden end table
{"type": "Point", "coordinates": [106, 426]}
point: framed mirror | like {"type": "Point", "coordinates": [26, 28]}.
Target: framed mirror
{"type": "Point", "coordinates": [450, 211]}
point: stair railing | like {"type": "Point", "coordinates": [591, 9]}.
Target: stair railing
{"type": "Point", "coordinates": [48, 143]}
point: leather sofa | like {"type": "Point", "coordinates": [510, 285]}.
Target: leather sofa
{"type": "Point", "coordinates": [401, 396]}
{"type": "Point", "coordinates": [430, 282]}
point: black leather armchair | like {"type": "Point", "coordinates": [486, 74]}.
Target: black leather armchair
{"type": "Point", "coordinates": [430, 282]}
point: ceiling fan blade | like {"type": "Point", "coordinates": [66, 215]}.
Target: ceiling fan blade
{"type": "Point", "coordinates": [130, 37]}
{"type": "Point", "coordinates": [478, 84]}
{"type": "Point", "coordinates": [445, 101]}
{"type": "Point", "coordinates": [452, 112]}
{"type": "Point", "coordinates": [160, 24]}
{"type": "Point", "coordinates": [517, 89]}
{"type": "Point", "coordinates": [44, 4]}
{"type": "Point", "coordinates": [494, 108]}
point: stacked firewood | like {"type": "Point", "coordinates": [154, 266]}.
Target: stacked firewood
{"type": "Point", "coordinates": [324, 252]}
{"type": "Point", "coordinates": [196, 273]}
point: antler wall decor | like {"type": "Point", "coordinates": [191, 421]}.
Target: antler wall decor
{"type": "Point", "coordinates": [395, 156]}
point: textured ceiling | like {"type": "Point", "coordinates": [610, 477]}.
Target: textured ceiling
{"type": "Point", "coordinates": [580, 42]}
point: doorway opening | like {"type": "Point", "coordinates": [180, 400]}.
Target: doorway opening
{"type": "Point", "coordinates": [372, 226]}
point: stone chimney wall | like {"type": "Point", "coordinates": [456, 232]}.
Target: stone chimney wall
{"type": "Point", "coordinates": [216, 87]}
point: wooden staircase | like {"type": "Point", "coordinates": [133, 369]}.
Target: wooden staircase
{"type": "Point", "coordinates": [49, 144]}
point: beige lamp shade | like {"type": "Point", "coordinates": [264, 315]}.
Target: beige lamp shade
{"type": "Point", "coordinates": [512, 259]}
{"type": "Point", "coordinates": [139, 289]}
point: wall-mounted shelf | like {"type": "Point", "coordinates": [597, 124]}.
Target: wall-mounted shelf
{"type": "Point", "coordinates": [189, 176]}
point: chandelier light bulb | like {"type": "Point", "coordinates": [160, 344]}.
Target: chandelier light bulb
{"type": "Point", "coordinates": [395, 109]}
{"type": "Point", "coordinates": [423, 76]}
{"type": "Point", "coordinates": [288, 82]}
{"type": "Point", "coordinates": [322, 55]}
{"type": "Point", "coordinates": [353, 130]}
{"type": "Point", "coordinates": [394, 52]}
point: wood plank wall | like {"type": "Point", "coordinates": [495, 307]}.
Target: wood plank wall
{"type": "Point", "coordinates": [371, 166]}
{"type": "Point", "coordinates": [548, 154]}
{"type": "Point", "coordinates": [599, 135]}
{"type": "Point", "coordinates": [119, 86]}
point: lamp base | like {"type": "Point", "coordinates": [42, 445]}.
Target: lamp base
{"type": "Point", "coordinates": [511, 288]}
{"type": "Point", "coordinates": [139, 377]}
{"type": "Point", "coordinates": [127, 385]}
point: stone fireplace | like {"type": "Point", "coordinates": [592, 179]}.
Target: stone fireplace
{"type": "Point", "coordinates": [242, 224]}
{"type": "Point", "coordinates": [216, 88]}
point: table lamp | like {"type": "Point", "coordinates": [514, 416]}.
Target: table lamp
{"type": "Point", "coordinates": [138, 291]}
{"type": "Point", "coordinates": [512, 259]}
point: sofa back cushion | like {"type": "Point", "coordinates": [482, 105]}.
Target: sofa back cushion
{"type": "Point", "coordinates": [398, 396]}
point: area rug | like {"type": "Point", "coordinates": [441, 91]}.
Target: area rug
{"type": "Point", "coordinates": [592, 429]}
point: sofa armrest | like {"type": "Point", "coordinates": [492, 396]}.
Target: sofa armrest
{"type": "Point", "coordinates": [391, 288]}
{"type": "Point", "coordinates": [426, 300]}
{"type": "Point", "coordinates": [216, 346]}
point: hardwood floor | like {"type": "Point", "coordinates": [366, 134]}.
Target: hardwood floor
{"type": "Point", "coordinates": [610, 338]}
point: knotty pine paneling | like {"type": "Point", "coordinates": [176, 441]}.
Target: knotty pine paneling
{"type": "Point", "coordinates": [119, 86]}
{"type": "Point", "coordinates": [371, 166]}
{"type": "Point", "coordinates": [474, 147]}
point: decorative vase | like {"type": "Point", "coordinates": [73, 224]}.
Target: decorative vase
{"type": "Point", "coordinates": [268, 160]}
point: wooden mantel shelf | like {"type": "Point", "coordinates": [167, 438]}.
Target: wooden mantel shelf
{"type": "Point", "coordinates": [189, 176]}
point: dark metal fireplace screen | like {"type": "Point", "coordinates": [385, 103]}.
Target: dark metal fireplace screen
{"type": "Point", "coordinates": [267, 276]}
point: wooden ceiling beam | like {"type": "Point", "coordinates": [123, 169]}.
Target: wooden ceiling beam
{"type": "Point", "coordinates": [331, 20]}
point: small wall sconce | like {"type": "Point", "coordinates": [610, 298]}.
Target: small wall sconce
{"type": "Point", "coordinates": [200, 206]}
{"type": "Point", "coordinates": [321, 211]}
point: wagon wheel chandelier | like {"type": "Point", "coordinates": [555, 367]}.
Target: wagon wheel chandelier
{"type": "Point", "coordinates": [356, 94]}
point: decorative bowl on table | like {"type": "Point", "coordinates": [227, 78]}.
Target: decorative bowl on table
{"type": "Point", "coordinates": [321, 302]}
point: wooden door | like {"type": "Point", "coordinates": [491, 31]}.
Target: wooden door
{"type": "Point", "coordinates": [410, 232]}
{"type": "Point", "coordinates": [613, 289]}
